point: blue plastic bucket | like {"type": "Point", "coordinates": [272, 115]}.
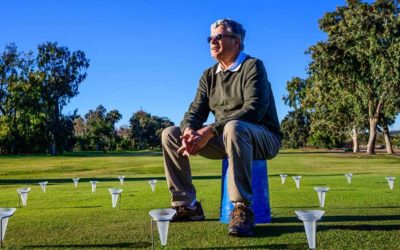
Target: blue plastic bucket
{"type": "Point", "coordinates": [260, 203]}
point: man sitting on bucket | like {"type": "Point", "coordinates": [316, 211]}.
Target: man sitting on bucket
{"type": "Point", "coordinates": [237, 91]}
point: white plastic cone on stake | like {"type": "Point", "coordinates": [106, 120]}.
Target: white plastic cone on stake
{"type": "Point", "coordinates": [43, 185]}
{"type": "Point", "coordinates": [23, 194]}
{"type": "Point", "coordinates": [162, 217]}
{"type": "Point", "coordinates": [75, 181]}
{"type": "Point", "coordinates": [283, 178]}
{"type": "Point", "coordinates": [94, 183]}
{"type": "Point", "coordinates": [297, 181]}
{"type": "Point", "coordinates": [153, 184]}
{"type": "Point", "coordinates": [121, 179]}
{"type": "Point", "coordinates": [5, 214]}
{"type": "Point", "coordinates": [321, 194]}
{"type": "Point", "coordinates": [310, 218]}
{"type": "Point", "coordinates": [115, 193]}
{"type": "Point", "coordinates": [390, 180]}
{"type": "Point", "coordinates": [349, 176]}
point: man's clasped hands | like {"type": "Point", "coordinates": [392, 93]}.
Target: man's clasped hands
{"type": "Point", "coordinates": [194, 140]}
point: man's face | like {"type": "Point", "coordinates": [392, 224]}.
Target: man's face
{"type": "Point", "coordinates": [226, 47]}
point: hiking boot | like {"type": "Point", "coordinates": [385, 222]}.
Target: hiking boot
{"type": "Point", "coordinates": [188, 213]}
{"type": "Point", "coordinates": [241, 221]}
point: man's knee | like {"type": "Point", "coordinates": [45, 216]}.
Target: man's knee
{"type": "Point", "coordinates": [235, 128]}
{"type": "Point", "coordinates": [169, 133]}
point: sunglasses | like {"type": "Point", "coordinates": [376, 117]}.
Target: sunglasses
{"type": "Point", "coordinates": [219, 37]}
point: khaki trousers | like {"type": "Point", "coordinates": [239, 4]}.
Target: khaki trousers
{"type": "Point", "coordinates": [241, 142]}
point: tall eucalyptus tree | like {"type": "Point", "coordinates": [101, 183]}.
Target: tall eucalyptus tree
{"type": "Point", "coordinates": [360, 62]}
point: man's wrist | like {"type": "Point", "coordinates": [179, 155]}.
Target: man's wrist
{"type": "Point", "coordinates": [214, 131]}
{"type": "Point", "coordinates": [211, 132]}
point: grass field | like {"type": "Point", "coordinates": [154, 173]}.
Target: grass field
{"type": "Point", "coordinates": [363, 215]}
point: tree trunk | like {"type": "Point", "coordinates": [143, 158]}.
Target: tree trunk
{"type": "Point", "coordinates": [55, 122]}
{"type": "Point", "coordinates": [374, 114]}
{"type": "Point", "coordinates": [372, 136]}
{"type": "Point", "coordinates": [386, 134]}
{"type": "Point", "coordinates": [14, 135]}
{"type": "Point", "coordinates": [356, 146]}
{"type": "Point", "coordinates": [53, 145]}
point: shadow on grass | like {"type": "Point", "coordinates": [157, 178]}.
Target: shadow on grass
{"type": "Point", "coordinates": [69, 180]}
{"type": "Point", "coordinates": [271, 230]}
{"type": "Point", "coordinates": [297, 207]}
{"type": "Point", "coordinates": [272, 246]}
{"type": "Point", "coordinates": [344, 189]}
{"type": "Point", "coordinates": [78, 207]}
{"type": "Point", "coordinates": [111, 154]}
{"type": "Point", "coordinates": [341, 218]}
{"type": "Point", "coordinates": [312, 152]}
{"type": "Point", "coordinates": [376, 207]}
{"type": "Point", "coordinates": [212, 219]}
{"type": "Point", "coordinates": [290, 174]}
{"type": "Point", "coordinates": [89, 154]}
{"type": "Point", "coordinates": [284, 219]}
{"type": "Point", "coordinates": [359, 227]}
{"type": "Point", "coordinates": [382, 182]}
{"type": "Point", "coordinates": [361, 218]}
{"type": "Point", "coordinates": [105, 246]}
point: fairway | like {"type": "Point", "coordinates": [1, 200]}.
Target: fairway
{"type": "Point", "coordinates": [362, 215]}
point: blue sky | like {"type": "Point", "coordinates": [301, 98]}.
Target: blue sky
{"type": "Point", "coordinates": [150, 54]}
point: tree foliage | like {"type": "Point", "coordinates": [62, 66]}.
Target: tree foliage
{"type": "Point", "coordinates": [33, 91]}
{"type": "Point", "coordinates": [96, 131]}
{"type": "Point", "coordinates": [355, 73]}
{"type": "Point", "coordinates": [296, 125]}
{"type": "Point", "coordinates": [146, 129]}
{"type": "Point", "coordinates": [62, 71]}
{"type": "Point", "coordinates": [295, 129]}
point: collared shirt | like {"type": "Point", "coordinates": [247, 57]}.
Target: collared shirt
{"type": "Point", "coordinates": [236, 64]}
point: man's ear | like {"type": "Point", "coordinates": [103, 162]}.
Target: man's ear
{"type": "Point", "coordinates": [237, 42]}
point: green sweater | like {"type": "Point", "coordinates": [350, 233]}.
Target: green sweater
{"type": "Point", "coordinates": [244, 95]}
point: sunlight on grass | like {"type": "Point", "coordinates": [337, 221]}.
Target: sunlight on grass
{"type": "Point", "coordinates": [361, 215]}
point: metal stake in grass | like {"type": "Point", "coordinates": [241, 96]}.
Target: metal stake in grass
{"type": "Point", "coordinates": [43, 185]}
{"type": "Point", "coordinates": [297, 181]}
{"type": "Point", "coordinates": [121, 179]}
{"type": "Point", "coordinates": [349, 176]}
{"type": "Point", "coordinates": [283, 178]}
{"type": "Point", "coordinates": [94, 183]}
{"type": "Point", "coordinates": [390, 180]}
{"type": "Point", "coordinates": [115, 194]}
{"type": "Point", "coordinates": [75, 181]}
{"type": "Point", "coordinates": [23, 194]}
{"type": "Point", "coordinates": [5, 213]}
{"type": "Point", "coordinates": [310, 218]}
{"type": "Point", "coordinates": [321, 194]}
{"type": "Point", "coordinates": [162, 218]}
{"type": "Point", "coordinates": [153, 184]}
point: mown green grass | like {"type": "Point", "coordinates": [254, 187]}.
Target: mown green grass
{"type": "Point", "coordinates": [363, 215]}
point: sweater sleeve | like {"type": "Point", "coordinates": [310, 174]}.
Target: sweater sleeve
{"type": "Point", "coordinates": [256, 92]}
{"type": "Point", "coordinates": [199, 109]}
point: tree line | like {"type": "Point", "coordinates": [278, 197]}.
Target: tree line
{"type": "Point", "coordinates": [96, 131]}
{"type": "Point", "coordinates": [353, 79]}
{"type": "Point", "coordinates": [34, 88]}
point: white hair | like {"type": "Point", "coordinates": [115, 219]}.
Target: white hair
{"type": "Point", "coordinates": [232, 27]}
